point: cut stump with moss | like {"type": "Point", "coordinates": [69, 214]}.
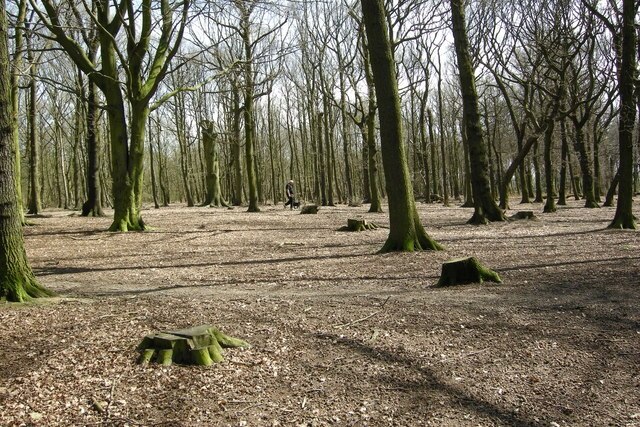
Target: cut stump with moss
{"type": "Point", "coordinates": [309, 209]}
{"type": "Point", "coordinates": [200, 345]}
{"type": "Point", "coordinates": [359, 224]}
{"type": "Point", "coordinates": [466, 270]}
{"type": "Point", "coordinates": [523, 215]}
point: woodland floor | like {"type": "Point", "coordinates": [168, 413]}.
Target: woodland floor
{"type": "Point", "coordinates": [341, 335]}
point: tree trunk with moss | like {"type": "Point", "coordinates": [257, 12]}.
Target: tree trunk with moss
{"type": "Point", "coordinates": [466, 270]}
{"type": "Point", "coordinates": [624, 214]}
{"type": "Point", "coordinates": [34, 204]}
{"type": "Point", "coordinates": [17, 282]}
{"type": "Point", "coordinates": [406, 232]}
{"type": "Point", "coordinates": [485, 208]}
{"type": "Point", "coordinates": [15, 100]}
{"type": "Point", "coordinates": [93, 205]}
{"type": "Point", "coordinates": [370, 140]}
{"type": "Point", "coordinates": [213, 190]}
{"type": "Point", "coordinates": [142, 72]}
{"type": "Point", "coordinates": [550, 204]}
{"type": "Point", "coordinates": [200, 345]}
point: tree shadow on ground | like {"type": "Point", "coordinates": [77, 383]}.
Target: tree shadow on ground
{"type": "Point", "coordinates": [429, 382]}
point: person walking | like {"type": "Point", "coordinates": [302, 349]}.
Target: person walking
{"type": "Point", "coordinates": [290, 194]}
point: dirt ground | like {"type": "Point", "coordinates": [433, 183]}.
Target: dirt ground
{"type": "Point", "coordinates": [340, 335]}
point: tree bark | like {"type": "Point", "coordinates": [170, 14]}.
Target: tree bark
{"type": "Point", "coordinates": [15, 101]}
{"type": "Point", "coordinates": [485, 208]}
{"type": "Point", "coordinates": [406, 232]}
{"type": "Point", "coordinates": [34, 205]}
{"type": "Point", "coordinates": [212, 166]}
{"type": "Point", "coordinates": [17, 281]}
{"type": "Point", "coordinates": [624, 214]}
{"type": "Point", "coordinates": [550, 205]}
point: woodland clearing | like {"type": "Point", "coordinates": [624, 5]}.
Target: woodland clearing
{"type": "Point", "coordinates": [340, 335]}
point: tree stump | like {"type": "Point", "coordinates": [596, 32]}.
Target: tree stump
{"type": "Point", "coordinates": [466, 270]}
{"type": "Point", "coordinates": [359, 224]}
{"type": "Point", "coordinates": [200, 345]}
{"type": "Point", "coordinates": [523, 215]}
{"type": "Point", "coordinates": [309, 209]}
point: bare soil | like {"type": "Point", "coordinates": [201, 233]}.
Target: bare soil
{"type": "Point", "coordinates": [340, 335]}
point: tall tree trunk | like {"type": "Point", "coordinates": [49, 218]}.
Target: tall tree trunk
{"type": "Point", "coordinates": [538, 175]}
{"type": "Point", "coordinates": [406, 232]}
{"type": "Point", "coordinates": [468, 192]}
{"type": "Point", "coordinates": [181, 133]}
{"type": "Point", "coordinates": [424, 152]}
{"type": "Point", "coordinates": [329, 148]}
{"type": "Point", "coordinates": [77, 142]}
{"type": "Point", "coordinates": [93, 205]}
{"type": "Point", "coordinates": [15, 102]}
{"type": "Point", "coordinates": [485, 208]}
{"type": "Point", "coordinates": [562, 190]}
{"type": "Point", "coordinates": [434, 156]}
{"type": "Point", "coordinates": [370, 139]}
{"type": "Point", "coordinates": [585, 166]}
{"type": "Point", "coordinates": [321, 159]}
{"type": "Point", "coordinates": [608, 201]}
{"type": "Point", "coordinates": [162, 169]}
{"type": "Point", "coordinates": [249, 122]}
{"type": "Point", "coordinates": [35, 205]}
{"type": "Point", "coordinates": [17, 281]}
{"type": "Point", "coordinates": [343, 128]}
{"type": "Point", "coordinates": [575, 181]}
{"type": "Point", "coordinates": [624, 214]}
{"type": "Point", "coordinates": [154, 186]}
{"type": "Point", "coordinates": [271, 143]}
{"type": "Point", "coordinates": [212, 166]}
{"type": "Point", "coordinates": [550, 205]}
{"type": "Point", "coordinates": [366, 185]}
{"type": "Point", "coordinates": [236, 149]}
{"type": "Point", "coordinates": [443, 151]}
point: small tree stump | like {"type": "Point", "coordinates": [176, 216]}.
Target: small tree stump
{"type": "Point", "coordinates": [359, 224]}
{"type": "Point", "coordinates": [523, 215]}
{"type": "Point", "coordinates": [309, 209]}
{"type": "Point", "coordinates": [200, 345]}
{"type": "Point", "coordinates": [466, 270]}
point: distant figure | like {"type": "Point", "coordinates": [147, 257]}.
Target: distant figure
{"type": "Point", "coordinates": [290, 194]}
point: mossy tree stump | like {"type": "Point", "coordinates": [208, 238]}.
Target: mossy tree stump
{"type": "Point", "coordinates": [309, 209]}
{"type": "Point", "coordinates": [466, 270]}
{"type": "Point", "coordinates": [359, 224]}
{"type": "Point", "coordinates": [200, 345]}
{"type": "Point", "coordinates": [523, 215]}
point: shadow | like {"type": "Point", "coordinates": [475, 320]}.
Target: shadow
{"type": "Point", "coordinates": [566, 263]}
{"type": "Point", "coordinates": [89, 233]}
{"type": "Point", "coordinates": [53, 270]}
{"type": "Point", "coordinates": [428, 381]}
{"type": "Point", "coordinates": [535, 236]}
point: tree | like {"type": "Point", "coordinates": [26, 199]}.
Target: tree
{"type": "Point", "coordinates": [624, 215]}
{"type": "Point", "coordinates": [35, 204]}
{"type": "Point", "coordinates": [143, 73]}
{"type": "Point", "coordinates": [485, 208]}
{"type": "Point", "coordinates": [406, 232]}
{"type": "Point", "coordinates": [17, 281]}
{"type": "Point", "coordinates": [213, 193]}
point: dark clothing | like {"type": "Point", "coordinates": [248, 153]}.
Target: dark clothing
{"type": "Point", "coordinates": [290, 194]}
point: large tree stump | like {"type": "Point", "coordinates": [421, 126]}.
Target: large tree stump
{"type": "Point", "coordinates": [359, 224]}
{"type": "Point", "coordinates": [466, 270]}
{"type": "Point", "coordinates": [200, 345]}
{"type": "Point", "coordinates": [523, 215]}
{"type": "Point", "coordinates": [309, 209]}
